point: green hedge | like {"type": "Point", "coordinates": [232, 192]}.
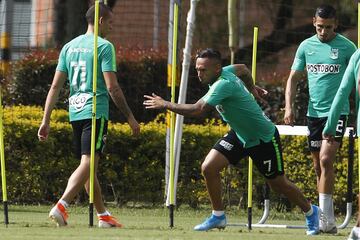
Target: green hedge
{"type": "Point", "coordinates": [132, 169]}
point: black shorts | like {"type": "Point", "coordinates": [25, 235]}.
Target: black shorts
{"type": "Point", "coordinates": [267, 156]}
{"type": "Point", "coordinates": [82, 136]}
{"type": "Point", "coordinates": [316, 127]}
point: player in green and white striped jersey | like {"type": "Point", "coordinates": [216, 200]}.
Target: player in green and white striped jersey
{"type": "Point", "coordinates": [76, 65]}
{"type": "Point", "coordinates": [324, 57]}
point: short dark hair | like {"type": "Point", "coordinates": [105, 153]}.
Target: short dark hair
{"type": "Point", "coordinates": [209, 53]}
{"type": "Point", "coordinates": [104, 11]}
{"type": "Point", "coordinates": [325, 11]}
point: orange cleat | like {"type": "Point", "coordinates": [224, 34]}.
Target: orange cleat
{"type": "Point", "coordinates": [108, 221]}
{"type": "Point", "coordinates": [59, 215]}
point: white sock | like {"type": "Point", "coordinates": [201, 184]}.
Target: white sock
{"type": "Point", "coordinates": [218, 213]}
{"type": "Point", "coordinates": [106, 213]}
{"type": "Point", "coordinates": [65, 204]}
{"type": "Point", "coordinates": [355, 232]}
{"type": "Point", "coordinates": [327, 206]}
{"type": "Point", "coordinates": [331, 213]}
{"type": "Point", "coordinates": [310, 212]}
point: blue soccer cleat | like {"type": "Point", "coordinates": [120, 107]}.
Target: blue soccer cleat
{"type": "Point", "coordinates": [312, 221]}
{"type": "Point", "coordinates": [212, 222]}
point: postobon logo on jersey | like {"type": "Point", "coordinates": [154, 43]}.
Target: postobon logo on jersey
{"type": "Point", "coordinates": [323, 68]}
{"type": "Point", "coordinates": [77, 102]}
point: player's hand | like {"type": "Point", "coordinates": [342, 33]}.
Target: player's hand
{"type": "Point", "coordinates": [259, 94]}
{"type": "Point", "coordinates": [154, 102]}
{"type": "Point", "coordinates": [261, 91]}
{"type": "Point", "coordinates": [330, 138]}
{"type": "Point", "coordinates": [289, 117]}
{"type": "Point", "coordinates": [43, 131]}
{"type": "Point", "coordinates": [134, 125]}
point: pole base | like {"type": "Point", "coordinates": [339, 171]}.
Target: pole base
{"type": "Point", "coordinates": [91, 214]}
{"type": "Point", "coordinates": [249, 218]}
{"type": "Point", "coordinates": [6, 213]}
{"type": "Point", "coordinates": [171, 215]}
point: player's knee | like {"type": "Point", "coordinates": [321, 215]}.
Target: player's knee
{"type": "Point", "coordinates": [207, 169]}
{"type": "Point", "coordinates": [326, 162]}
{"type": "Point", "coordinates": [87, 188]}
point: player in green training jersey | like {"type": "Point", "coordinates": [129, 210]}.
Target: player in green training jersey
{"type": "Point", "coordinates": [349, 81]}
{"type": "Point", "coordinates": [252, 134]}
{"type": "Point", "coordinates": [324, 57]}
{"type": "Point", "coordinates": [76, 65]}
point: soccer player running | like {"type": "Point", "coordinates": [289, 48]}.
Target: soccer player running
{"type": "Point", "coordinates": [252, 134]}
{"type": "Point", "coordinates": [349, 81]}
{"type": "Point", "coordinates": [325, 57]}
{"type": "Point", "coordinates": [76, 64]}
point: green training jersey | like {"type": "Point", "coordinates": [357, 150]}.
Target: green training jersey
{"type": "Point", "coordinates": [325, 64]}
{"type": "Point", "coordinates": [239, 109]}
{"type": "Point", "coordinates": [76, 60]}
{"type": "Point", "coordinates": [349, 81]}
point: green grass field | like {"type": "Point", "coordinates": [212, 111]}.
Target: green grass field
{"type": "Point", "coordinates": [31, 222]}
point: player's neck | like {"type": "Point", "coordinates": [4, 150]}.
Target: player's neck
{"type": "Point", "coordinates": [214, 79]}
{"type": "Point", "coordinates": [217, 77]}
{"type": "Point", "coordinates": [90, 30]}
{"type": "Point", "coordinates": [329, 39]}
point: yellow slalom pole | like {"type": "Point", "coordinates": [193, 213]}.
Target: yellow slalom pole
{"type": "Point", "coordinates": [2, 158]}
{"type": "Point", "coordinates": [253, 67]}
{"type": "Point", "coordinates": [358, 42]}
{"type": "Point", "coordinates": [5, 53]}
{"type": "Point", "coordinates": [250, 171]}
{"type": "Point", "coordinates": [172, 115]}
{"type": "Point", "coordinates": [233, 28]}
{"type": "Point", "coordinates": [358, 93]}
{"type": "Point", "coordinates": [93, 120]}
{"type": "Point", "coordinates": [4, 70]}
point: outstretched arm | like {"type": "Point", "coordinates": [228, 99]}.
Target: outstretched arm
{"type": "Point", "coordinates": [194, 110]}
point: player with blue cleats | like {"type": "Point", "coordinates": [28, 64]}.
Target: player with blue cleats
{"type": "Point", "coordinates": [252, 134]}
{"type": "Point", "coordinates": [212, 222]}
{"type": "Point", "coordinates": [312, 221]}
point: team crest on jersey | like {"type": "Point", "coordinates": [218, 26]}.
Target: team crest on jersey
{"type": "Point", "coordinates": [334, 54]}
